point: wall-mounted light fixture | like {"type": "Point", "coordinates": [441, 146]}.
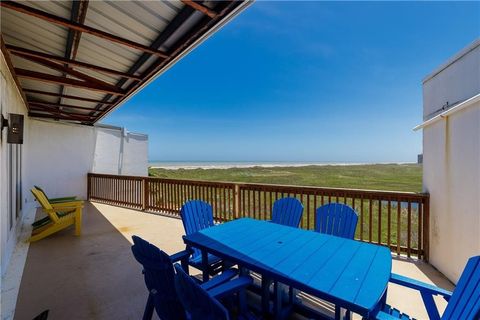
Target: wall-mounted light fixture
{"type": "Point", "coordinates": [14, 126]}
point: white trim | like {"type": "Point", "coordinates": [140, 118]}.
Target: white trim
{"type": "Point", "coordinates": [472, 46]}
{"type": "Point", "coordinates": [460, 106]}
{"type": "Point", "coordinates": [217, 27]}
{"type": "Point", "coordinates": [96, 125]}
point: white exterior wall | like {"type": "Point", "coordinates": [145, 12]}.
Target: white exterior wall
{"type": "Point", "coordinates": [11, 102]}
{"type": "Point", "coordinates": [451, 167]}
{"type": "Point", "coordinates": [61, 155]}
{"type": "Point", "coordinates": [135, 155]}
{"type": "Point", "coordinates": [120, 152]}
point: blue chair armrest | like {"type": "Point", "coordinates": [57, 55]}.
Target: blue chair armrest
{"type": "Point", "coordinates": [183, 257]}
{"type": "Point", "coordinates": [420, 286]}
{"type": "Point", "coordinates": [230, 287]}
{"type": "Point", "coordinates": [179, 256]}
{"type": "Point", "coordinates": [225, 276]}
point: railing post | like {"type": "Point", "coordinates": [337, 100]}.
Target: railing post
{"type": "Point", "coordinates": [236, 210]}
{"type": "Point", "coordinates": [88, 186]}
{"type": "Point", "coordinates": [145, 193]}
{"type": "Point", "coordinates": [426, 228]}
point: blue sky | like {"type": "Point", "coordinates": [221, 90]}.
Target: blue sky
{"type": "Point", "coordinates": [303, 81]}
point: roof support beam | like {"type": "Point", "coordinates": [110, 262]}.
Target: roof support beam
{"type": "Point", "coordinates": [79, 27]}
{"type": "Point", "coordinates": [59, 111]}
{"type": "Point", "coordinates": [56, 105]}
{"type": "Point", "coordinates": [26, 52]}
{"type": "Point", "coordinates": [78, 14]}
{"type": "Point", "coordinates": [200, 7]}
{"type": "Point", "coordinates": [44, 77]}
{"type": "Point", "coordinates": [179, 19]}
{"type": "Point", "coordinates": [80, 18]}
{"type": "Point", "coordinates": [65, 96]}
{"type": "Point", "coordinates": [54, 116]}
{"type": "Point", "coordinates": [67, 71]}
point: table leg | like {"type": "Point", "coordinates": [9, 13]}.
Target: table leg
{"type": "Point", "coordinates": [277, 301]}
{"type": "Point", "coordinates": [341, 313]}
{"type": "Point", "coordinates": [205, 266]}
{"type": "Point", "coordinates": [266, 296]}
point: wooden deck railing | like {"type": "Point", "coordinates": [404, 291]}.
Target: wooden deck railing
{"type": "Point", "coordinates": [398, 220]}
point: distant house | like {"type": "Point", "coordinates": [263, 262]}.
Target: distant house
{"type": "Point", "coordinates": [420, 158]}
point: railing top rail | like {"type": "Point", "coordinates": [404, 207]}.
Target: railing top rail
{"type": "Point", "coordinates": [117, 176]}
{"type": "Point", "coordinates": [339, 191]}
{"type": "Point", "coordinates": [358, 193]}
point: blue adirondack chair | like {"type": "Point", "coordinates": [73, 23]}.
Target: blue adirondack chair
{"type": "Point", "coordinates": [336, 219]}
{"type": "Point", "coordinates": [202, 302]}
{"type": "Point", "coordinates": [159, 278]}
{"type": "Point", "coordinates": [287, 211]}
{"type": "Point", "coordinates": [463, 304]}
{"type": "Point", "coordinates": [197, 215]}
{"type": "Point", "coordinates": [339, 220]}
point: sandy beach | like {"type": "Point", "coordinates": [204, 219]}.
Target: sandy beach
{"type": "Point", "coordinates": [229, 165]}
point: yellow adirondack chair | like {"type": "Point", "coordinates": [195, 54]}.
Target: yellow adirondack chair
{"type": "Point", "coordinates": [60, 216]}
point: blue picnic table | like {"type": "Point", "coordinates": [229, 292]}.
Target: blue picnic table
{"type": "Point", "coordinates": [351, 274]}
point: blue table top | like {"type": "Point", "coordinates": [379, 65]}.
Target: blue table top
{"type": "Point", "coordinates": [351, 274]}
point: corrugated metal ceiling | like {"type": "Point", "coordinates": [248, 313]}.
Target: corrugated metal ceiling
{"type": "Point", "coordinates": [31, 29]}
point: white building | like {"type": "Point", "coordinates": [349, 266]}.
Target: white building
{"type": "Point", "coordinates": [451, 160]}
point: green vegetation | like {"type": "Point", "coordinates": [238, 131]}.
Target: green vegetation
{"type": "Point", "coordinates": [394, 177]}
{"type": "Point", "coordinates": [388, 221]}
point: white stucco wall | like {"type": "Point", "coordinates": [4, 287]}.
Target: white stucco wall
{"type": "Point", "coordinates": [451, 154]}
{"type": "Point", "coordinates": [135, 155]}
{"type": "Point", "coordinates": [62, 154]}
{"type": "Point", "coordinates": [11, 102]}
{"type": "Point", "coordinates": [120, 152]}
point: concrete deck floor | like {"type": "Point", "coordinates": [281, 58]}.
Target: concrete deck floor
{"type": "Point", "coordinates": [96, 277]}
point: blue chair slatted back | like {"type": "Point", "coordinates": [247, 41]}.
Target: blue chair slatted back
{"type": "Point", "coordinates": [196, 215]}
{"type": "Point", "coordinates": [159, 279]}
{"type": "Point", "coordinates": [336, 219]}
{"type": "Point", "coordinates": [465, 300]}
{"type": "Point", "coordinates": [198, 304]}
{"type": "Point", "coordinates": [287, 211]}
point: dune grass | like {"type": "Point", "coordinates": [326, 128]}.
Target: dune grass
{"type": "Point", "coordinates": [393, 177]}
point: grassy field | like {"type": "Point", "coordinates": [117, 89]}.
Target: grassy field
{"type": "Point", "coordinates": [380, 221]}
{"type": "Point", "coordinates": [394, 177]}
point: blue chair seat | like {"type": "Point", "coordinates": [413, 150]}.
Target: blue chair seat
{"type": "Point", "coordinates": [201, 301]}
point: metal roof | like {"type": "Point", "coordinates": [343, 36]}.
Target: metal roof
{"type": "Point", "coordinates": [78, 60]}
